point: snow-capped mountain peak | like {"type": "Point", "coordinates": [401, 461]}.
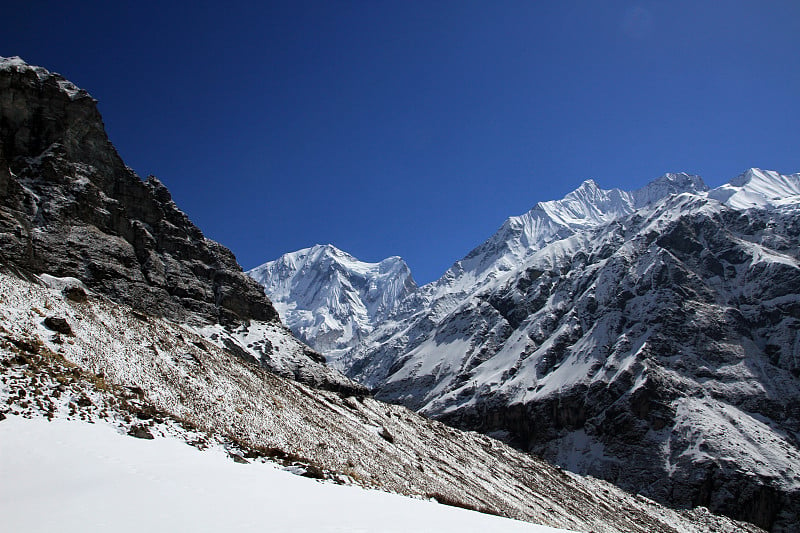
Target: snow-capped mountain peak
{"type": "Point", "coordinates": [667, 185]}
{"type": "Point", "coordinates": [759, 188]}
{"type": "Point", "coordinates": [520, 237]}
{"type": "Point", "coordinates": [331, 299]}
{"type": "Point", "coordinates": [587, 205]}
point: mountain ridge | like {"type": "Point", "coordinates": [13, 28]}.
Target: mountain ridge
{"type": "Point", "coordinates": [71, 208]}
{"type": "Point", "coordinates": [81, 343]}
{"type": "Point", "coordinates": [339, 306]}
{"type": "Point", "coordinates": [547, 332]}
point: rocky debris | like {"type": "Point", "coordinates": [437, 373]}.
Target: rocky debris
{"type": "Point", "coordinates": [238, 458]}
{"type": "Point", "coordinates": [83, 401]}
{"type": "Point", "coordinates": [140, 432]}
{"type": "Point", "coordinates": [58, 324]}
{"type": "Point", "coordinates": [135, 390]}
{"type": "Point", "coordinates": [76, 294]}
{"type": "Point", "coordinates": [386, 435]}
{"type": "Point", "coordinates": [313, 472]}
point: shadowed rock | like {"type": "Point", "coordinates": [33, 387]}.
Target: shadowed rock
{"type": "Point", "coordinates": [70, 207]}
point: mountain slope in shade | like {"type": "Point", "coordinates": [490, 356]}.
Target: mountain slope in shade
{"type": "Point", "coordinates": [658, 350]}
{"type": "Point", "coordinates": [330, 299]}
{"type": "Point", "coordinates": [70, 208]}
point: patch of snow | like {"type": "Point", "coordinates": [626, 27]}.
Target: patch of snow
{"type": "Point", "coordinates": [71, 476]}
{"type": "Point", "coordinates": [62, 283]}
{"type": "Point", "coordinates": [719, 432]}
{"type": "Point", "coordinates": [13, 61]}
{"type": "Point", "coordinates": [67, 87]}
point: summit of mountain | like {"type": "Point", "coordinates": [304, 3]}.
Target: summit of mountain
{"type": "Point", "coordinates": [115, 311]}
{"type": "Point", "coordinates": [648, 337]}
{"type": "Point", "coordinates": [330, 299]}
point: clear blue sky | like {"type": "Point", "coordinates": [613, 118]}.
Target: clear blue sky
{"type": "Point", "coordinates": [415, 128]}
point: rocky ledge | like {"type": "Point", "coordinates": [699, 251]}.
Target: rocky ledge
{"type": "Point", "coordinates": [70, 207]}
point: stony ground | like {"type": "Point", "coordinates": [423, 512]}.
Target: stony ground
{"type": "Point", "coordinates": [89, 358]}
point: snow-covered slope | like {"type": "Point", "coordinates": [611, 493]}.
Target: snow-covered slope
{"type": "Point", "coordinates": [330, 299]}
{"type": "Point", "coordinates": [519, 238]}
{"type": "Point", "coordinates": [759, 188]}
{"type": "Point", "coordinates": [70, 207]}
{"type": "Point", "coordinates": [90, 480]}
{"type": "Point", "coordinates": [594, 330]}
{"type": "Point", "coordinates": [152, 378]}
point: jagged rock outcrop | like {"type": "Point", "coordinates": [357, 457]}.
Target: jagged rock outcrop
{"type": "Point", "coordinates": [653, 343]}
{"type": "Point", "coordinates": [70, 207]}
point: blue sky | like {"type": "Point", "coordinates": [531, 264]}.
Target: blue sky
{"type": "Point", "coordinates": [415, 128]}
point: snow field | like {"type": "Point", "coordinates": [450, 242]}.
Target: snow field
{"type": "Point", "coordinates": [70, 476]}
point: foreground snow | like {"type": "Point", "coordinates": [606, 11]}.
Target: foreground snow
{"type": "Point", "coordinates": [72, 476]}
{"type": "Point", "coordinates": [153, 375]}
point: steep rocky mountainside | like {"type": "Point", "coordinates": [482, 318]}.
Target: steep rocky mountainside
{"type": "Point", "coordinates": [331, 300]}
{"type": "Point", "coordinates": [70, 207]}
{"type": "Point", "coordinates": [648, 338]}
{"type": "Point", "coordinates": [99, 361]}
{"type": "Point", "coordinates": [661, 355]}
{"type": "Point", "coordinates": [114, 307]}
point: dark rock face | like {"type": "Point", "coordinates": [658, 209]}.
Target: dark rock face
{"type": "Point", "coordinates": [693, 362]}
{"type": "Point", "coordinates": [70, 207]}
{"type": "Point", "coordinates": [660, 352]}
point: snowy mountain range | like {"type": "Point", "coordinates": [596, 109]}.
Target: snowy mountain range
{"type": "Point", "coordinates": [137, 359]}
{"type": "Point", "coordinates": [115, 375]}
{"type": "Point", "coordinates": [331, 300]}
{"type": "Point", "coordinates": [646, 337]}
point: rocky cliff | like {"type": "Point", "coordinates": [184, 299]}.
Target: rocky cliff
{"type": "Point", "coordinates": [654, 344]}
{"type": "Point", "coordinates": [69, 207]}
